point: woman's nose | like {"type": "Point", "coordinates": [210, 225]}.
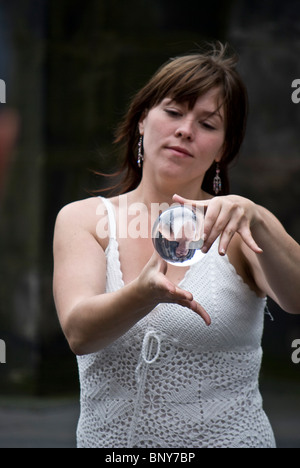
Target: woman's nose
{"type": "Point", "coordinates": [185, 130]}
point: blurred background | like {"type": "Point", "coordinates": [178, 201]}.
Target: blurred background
{"type": "Point", "coordinates": [70, 68]}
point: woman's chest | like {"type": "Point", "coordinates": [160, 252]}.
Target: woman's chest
{"type": "Point", "coordinates": [134, 254]}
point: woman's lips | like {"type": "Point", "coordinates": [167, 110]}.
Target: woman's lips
{"type": "Point", "coordinates": [180, 151]}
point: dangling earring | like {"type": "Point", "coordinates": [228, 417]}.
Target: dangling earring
{"type": "Point", "coordinates": [217, 182]}
{"type": "Point", "coordinates": [140, 158]}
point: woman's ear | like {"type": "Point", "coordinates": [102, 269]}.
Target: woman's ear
{"type": "Point", "coordinates": [141, 127]}
{"type": "Point", "coordinates": [141, 122]}
{"type": "Point", "coordinates": [220, 154]}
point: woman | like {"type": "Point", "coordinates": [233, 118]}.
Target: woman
{"type": "Point", "coordinates": [170, 357]}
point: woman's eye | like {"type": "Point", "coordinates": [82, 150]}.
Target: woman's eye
{"type": "Point", "coordinates": [208, 126]}
{"type": "Point", "coordinates": [172, 112]}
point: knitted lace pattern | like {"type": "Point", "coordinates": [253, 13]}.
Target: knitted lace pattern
{"type": "Point", "coordinates": [173, 382]}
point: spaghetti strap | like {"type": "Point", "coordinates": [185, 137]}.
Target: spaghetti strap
{"type": "Point", "coordinates": [111, 217]}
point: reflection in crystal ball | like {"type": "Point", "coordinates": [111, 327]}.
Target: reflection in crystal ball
{"type": "Point", "coordinates": [177, 235]}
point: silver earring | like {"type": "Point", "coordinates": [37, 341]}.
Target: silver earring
{"type": "Point", "coordinates": [140, 158]}
{"type": "Point", "coordinates": [217, 182]}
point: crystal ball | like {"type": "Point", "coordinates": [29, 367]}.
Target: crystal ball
{"type": "Point", "coordinates": [177, 235]}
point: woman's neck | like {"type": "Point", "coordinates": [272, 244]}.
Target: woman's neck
{"type": "Point", "coordinates": [148, 193]}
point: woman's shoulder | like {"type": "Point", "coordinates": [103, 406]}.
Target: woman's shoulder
{"type": "Point", "coordinates": [83, 215]}
{"type": "Point", "coordinates": [80, 211]}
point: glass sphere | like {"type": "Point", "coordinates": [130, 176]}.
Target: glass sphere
{"type": "Point", "coordinates": [177, 235]}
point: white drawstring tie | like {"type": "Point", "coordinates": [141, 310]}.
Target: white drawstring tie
{"type": "Point", "coordinates": [150, 339]}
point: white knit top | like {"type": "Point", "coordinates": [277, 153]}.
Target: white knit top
{"type": "Point", "coordinates": [173, 382]}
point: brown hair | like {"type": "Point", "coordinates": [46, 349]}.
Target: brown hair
{"type": "Point", "coordinates": [184, 79]}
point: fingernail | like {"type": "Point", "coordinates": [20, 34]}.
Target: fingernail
{"type": "Point", "coordinates": [204, 249]}
{"type": "Point", "coordinates": [222, 252]}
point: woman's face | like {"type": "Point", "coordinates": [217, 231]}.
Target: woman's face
{"type": "Point", "coordinates": [184, 142]}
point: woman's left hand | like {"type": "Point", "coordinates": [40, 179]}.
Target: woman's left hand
{"type": "Point", "coordinates": [225, 216]}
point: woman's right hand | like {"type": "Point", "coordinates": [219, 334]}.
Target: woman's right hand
{"type": "Point", "coordinates": [157, 288]}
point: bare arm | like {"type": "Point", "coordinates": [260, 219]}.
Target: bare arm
{"type": "Point", "coordinates": [91, 318]}
{"type": "Point", "coordinates": [277, 268]}
{"type": "Point", "coordinates": [272, 254]}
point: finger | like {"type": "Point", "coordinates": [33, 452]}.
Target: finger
{"type": "Point", "coordinates": [225, 239]}
{"type": "Point", "coordinates": [186, 201]}
{"type": "Point", "coordinates": [202, 312]}
{"type": "Point", "coordinates": [228, 232]}
{"type": "Point", "coordinates": [212, 211]}
{"type": "Point", "coordinates": [179, 294]}
{"type": "Point", "coordinates": [174, 294]}
{"type": "Point", "coordinates": [178, 199]}
{"type": "Point", "coordinates": [185, 299]}
{"type": "Point", "coordinates": [214, 222]}
{"type": "Point", "coordinates": [198, 309]}
{"type": "Point", "coordinates": [199, 207]}
{"type": "Point", "coordinates": [246, 235]}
